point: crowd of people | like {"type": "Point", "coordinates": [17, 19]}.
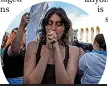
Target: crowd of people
{"type": "Point", "coordinates": [51, 59]}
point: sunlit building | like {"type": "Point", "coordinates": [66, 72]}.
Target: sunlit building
{"type": "Point", "coordinates": [87, 34]}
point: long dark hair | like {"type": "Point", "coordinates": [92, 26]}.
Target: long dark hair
{"type": "Point", "coordinates": [65, 20]}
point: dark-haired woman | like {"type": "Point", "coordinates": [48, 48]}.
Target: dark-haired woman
{"type": "Point", "coordinates": [93, 64]}
{"type": "Point", "coordinates": [52, 60]}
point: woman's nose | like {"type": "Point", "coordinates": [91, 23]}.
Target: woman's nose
{"type": "Point", "coordinates": [53, 27]}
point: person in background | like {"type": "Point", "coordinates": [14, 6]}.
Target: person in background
{"type": "Point", "coordinates": [7, 42]}
{"type": "Point", "coordinates": [13, 58]}
{"type": "Point", "coordinates": [52, 60]}
{"type": "Point", "coordinates": [10, 38]}
{"type": "Point", "coordinates": [93, 64]}
{"type": "Point", "coordinates": [4, 40]}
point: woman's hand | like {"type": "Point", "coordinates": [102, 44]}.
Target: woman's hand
{"type": "Point", "coordinates": [51, 38]}
{"type": "Point", "coordinates": [25, 20]}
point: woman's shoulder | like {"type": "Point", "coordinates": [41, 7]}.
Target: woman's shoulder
{"type": "Point", "coordinates": [73, 48]}
{"type": "Point", "coordinates": [73, 51]}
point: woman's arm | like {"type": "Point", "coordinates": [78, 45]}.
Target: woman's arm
{"type": "Point", "coordinates": [34, 74]}
{"type": "Point", "coordinates": [66, 76]}
{"type": "Point", "coordinates": [15, 47]}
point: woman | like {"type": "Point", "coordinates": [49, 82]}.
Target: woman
{"type": "Point", "coordinates": [52, 60]}
{"type": "Point", "coordinates": [93, 64]}
{"type": "Point", "coordinates": [13, 58]}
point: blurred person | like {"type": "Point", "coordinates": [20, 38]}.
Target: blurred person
{"type": "Point", "coordinates": [52, 60]}
{"type": "Point", "coordinates": [3, 44]}
{"type": "Point", "coordinates": [93, 64]}
{"type": "Point", "coordinates": [11, 36]}
{"type": "Point", "coordinates": [14, 53]}
{"type": "Point", "coordinates": [6, 42]}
